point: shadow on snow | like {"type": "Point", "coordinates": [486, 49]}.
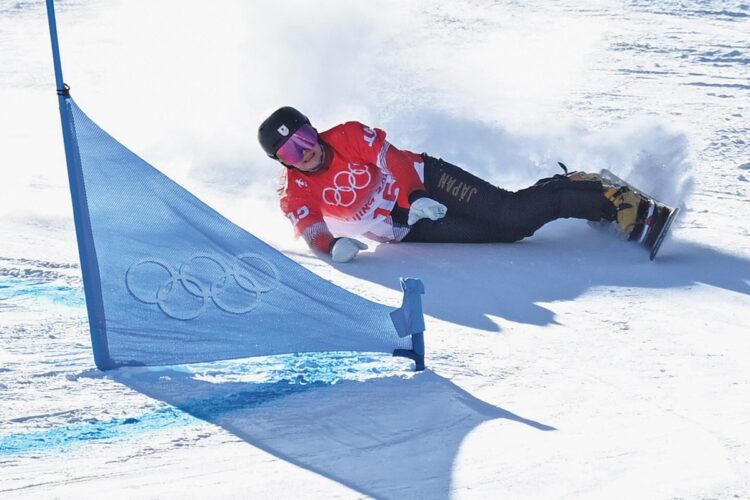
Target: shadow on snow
{"type": "Point", "coordinates": [387, 438]}
{"type": "Point", "coordinates": [466, 282]}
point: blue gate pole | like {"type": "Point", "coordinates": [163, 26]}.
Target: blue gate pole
{"type": "Point", "coordinates": [55, 49]}
{"type": "Point", "coordinates": [86, 250]}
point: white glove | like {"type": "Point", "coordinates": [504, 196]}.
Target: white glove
{"type": "Point", "coordinates": [345, 249]}
{"type": "Point", "coordinates": [426, 208]}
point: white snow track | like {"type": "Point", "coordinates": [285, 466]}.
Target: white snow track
{"type": "Point", "coordinates": [564, 366]}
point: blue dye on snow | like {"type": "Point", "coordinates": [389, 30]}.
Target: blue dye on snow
{"type": "Point", "coordinates": [64, 438]}
{"type": "Point", "coordinates": [283, 375]}
{"type": "Point", "coordinates": [18, 289]}
{"type": "Point", "coordinates": [286, 375]}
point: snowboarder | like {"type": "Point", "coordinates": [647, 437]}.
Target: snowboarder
{"type": "Point", "coordinates": [350, 182]}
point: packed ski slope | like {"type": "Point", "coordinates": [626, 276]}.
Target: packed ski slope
{"type": "Point", "coordinates": [565, 366]}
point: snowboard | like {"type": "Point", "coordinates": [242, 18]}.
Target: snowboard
{"type": "Point", "coordinates": [658, 219]}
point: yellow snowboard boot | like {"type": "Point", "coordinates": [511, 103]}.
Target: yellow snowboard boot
{"type": "Point", "coordinates": [628, 203]}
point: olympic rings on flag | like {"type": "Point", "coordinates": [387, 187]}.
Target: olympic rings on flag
{"type": "Point", "coordinates": [235, 272]}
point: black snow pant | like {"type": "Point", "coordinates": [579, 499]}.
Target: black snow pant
{"type": "Point", "coordinates": [479, 212]}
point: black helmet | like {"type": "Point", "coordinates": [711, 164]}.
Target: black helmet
{"type": "Point", "coordinates": [278, 127]}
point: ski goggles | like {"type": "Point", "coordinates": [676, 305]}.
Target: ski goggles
{"type": "Point", "coordinates": [302, 140]}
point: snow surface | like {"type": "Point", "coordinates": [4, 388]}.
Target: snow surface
{"type": "Point", "coordinates": [565, 366]}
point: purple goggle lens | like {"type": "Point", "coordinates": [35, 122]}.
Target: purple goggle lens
{"type": "Point", "coordinates": [301, 141]}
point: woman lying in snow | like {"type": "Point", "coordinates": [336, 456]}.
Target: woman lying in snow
{"type": "Point", "coordinates": [349, 182]}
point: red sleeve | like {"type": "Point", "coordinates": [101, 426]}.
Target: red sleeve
{"type": "Point", "coordinates": [404, 165]}
{"type": "Point", "coordinates": [307, 220]}
{"type": "Point", "coordinates": [371, 146]}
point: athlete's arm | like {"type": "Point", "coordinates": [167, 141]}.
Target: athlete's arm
{"type": "Point", "coordinates": [372, 147]}
{"type": "Point", "coordinates": [308, 222]}
{"type": "Point", "coordinates": [314, 231]}
{"type": "Point", "coordinates": [404, 165]}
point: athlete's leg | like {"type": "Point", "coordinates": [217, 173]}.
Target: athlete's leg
{"type": "Point", "coordinates": [514, 215]}
{"type": "Point", "coordinates": [454, 228]}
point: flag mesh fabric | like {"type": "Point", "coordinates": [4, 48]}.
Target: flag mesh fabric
{"type": "Point", "coordinates": [169, 280]}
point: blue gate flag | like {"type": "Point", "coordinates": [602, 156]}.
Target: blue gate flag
{"type": "Point", "coordinates": [168, 280]}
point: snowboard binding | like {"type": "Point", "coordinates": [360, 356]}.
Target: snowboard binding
{"type": "Point", "coordinates": [652, 217]}
{"type": "Point", "coordinates": [640, 217]}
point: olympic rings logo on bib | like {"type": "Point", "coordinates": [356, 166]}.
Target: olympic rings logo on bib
{"type": "Point", "coordinates": [236, 287]}
{"type": "Point", "coordinates": [345, 183]}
